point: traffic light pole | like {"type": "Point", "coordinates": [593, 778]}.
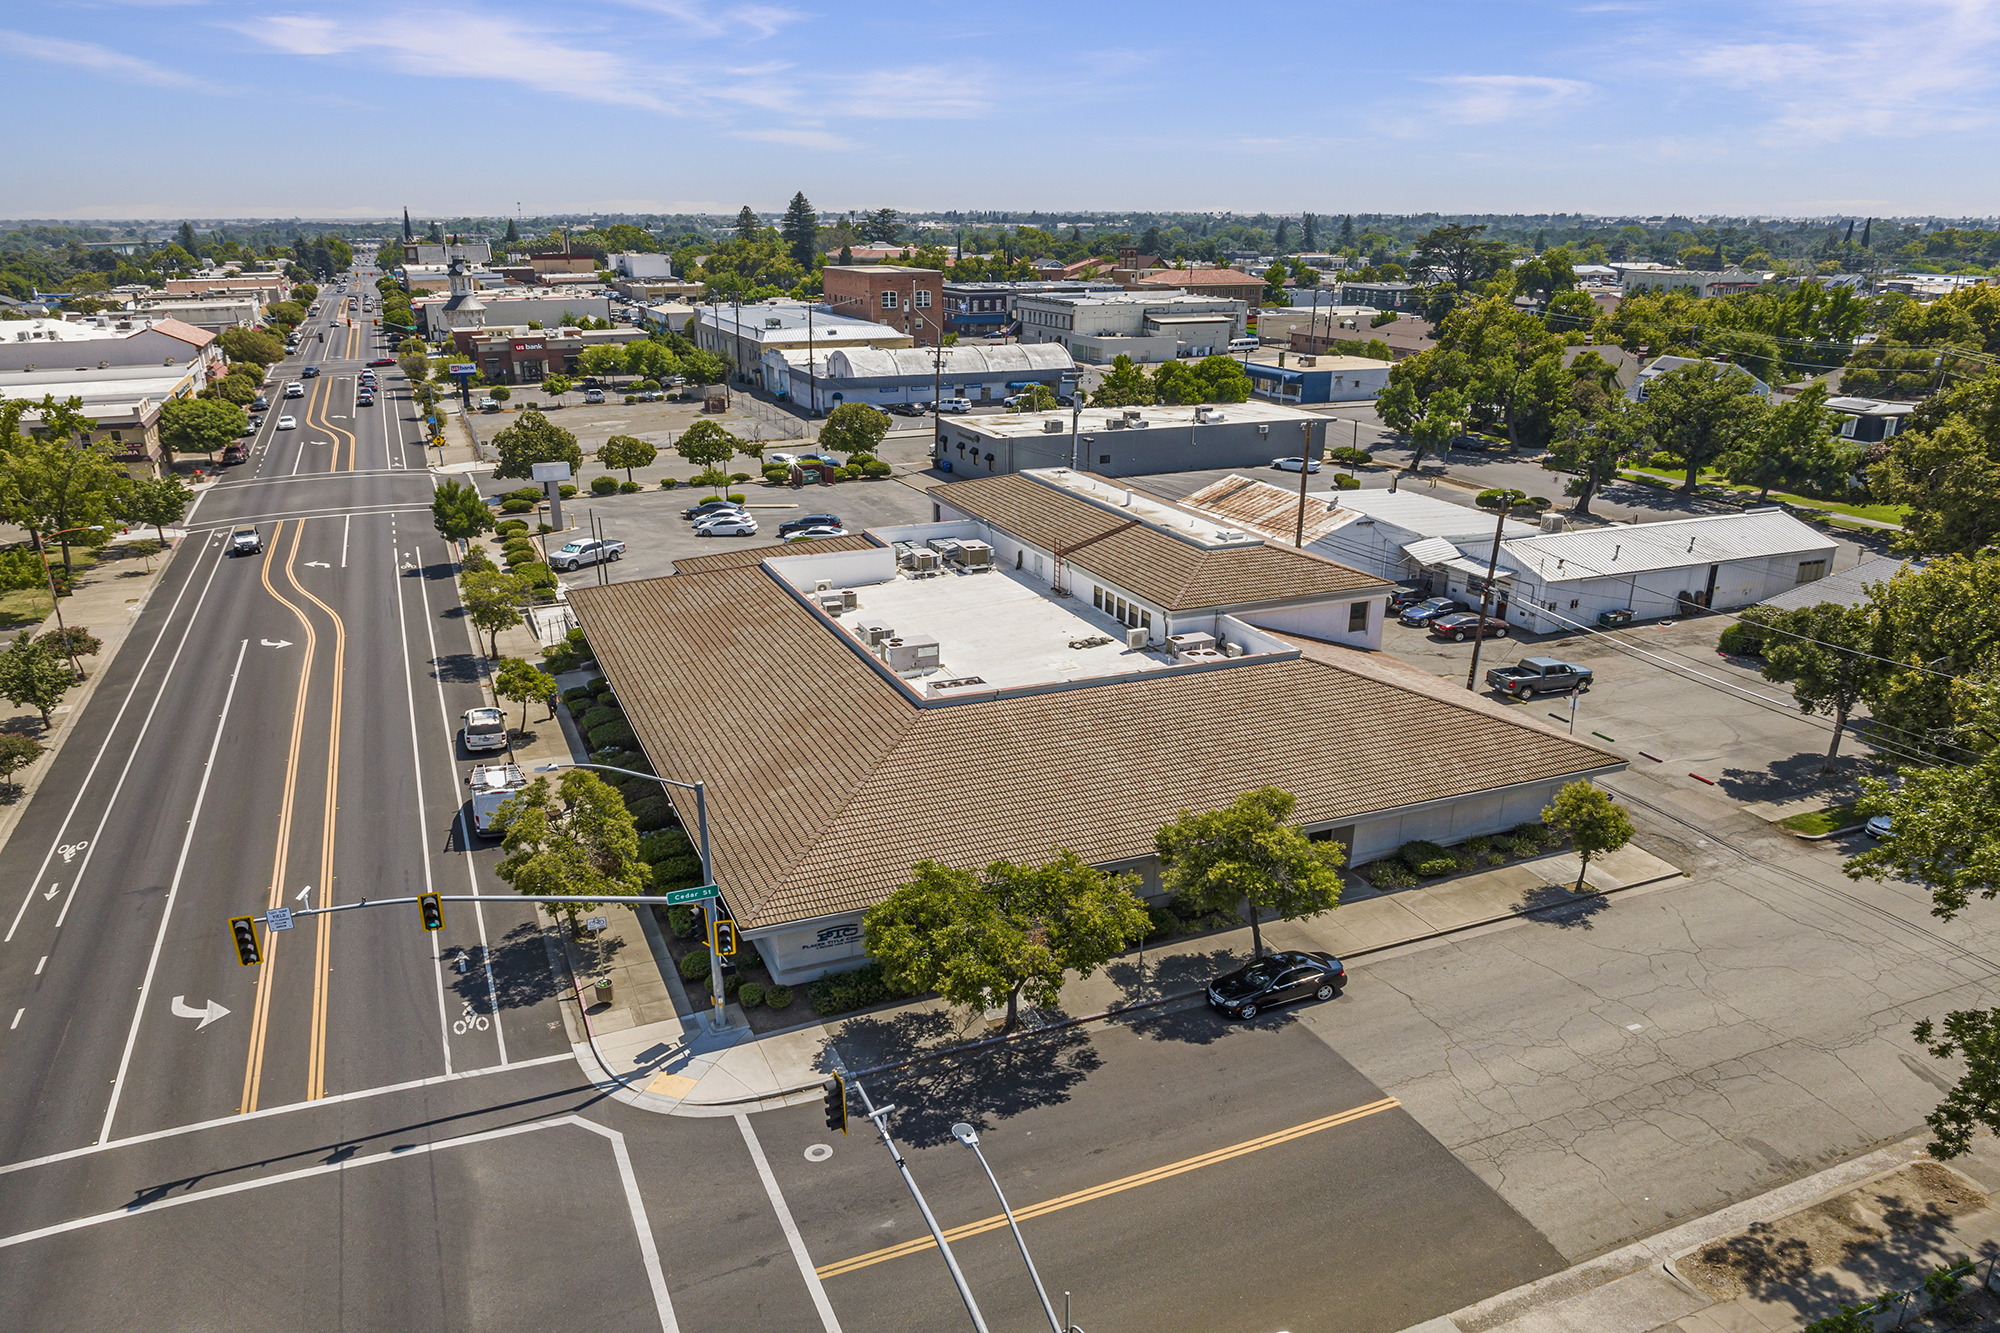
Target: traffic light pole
{"type": "Point", "coordinates": [880, 1115]}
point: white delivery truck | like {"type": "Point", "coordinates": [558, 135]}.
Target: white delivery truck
{"type": "Point", "coordinates": [491, 785]}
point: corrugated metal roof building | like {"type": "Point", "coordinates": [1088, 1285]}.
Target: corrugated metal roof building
{"type": "Point", "coordinates": [1719, 561]}
{"type": "Point", "coordinates": [884, 375]}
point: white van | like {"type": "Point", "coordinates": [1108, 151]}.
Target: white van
{"type": "Point", "coordinates": [1243, 345]}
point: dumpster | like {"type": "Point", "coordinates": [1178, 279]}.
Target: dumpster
{"type": "Point", "coordinates": [1623, 615]}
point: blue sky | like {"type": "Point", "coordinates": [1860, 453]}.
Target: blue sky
{"type": "Point", "coordinates": [212, 108]}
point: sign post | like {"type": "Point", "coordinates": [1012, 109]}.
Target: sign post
{"type": "Point", "coordinates": [463, 373]}
{"type": "Point", "coordinates": [552, 476]}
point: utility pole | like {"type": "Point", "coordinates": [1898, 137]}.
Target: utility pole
{"type": "Point", "coordinates": [1504, 503]}
{"type": "Point", "coordinates": [1305, 467]}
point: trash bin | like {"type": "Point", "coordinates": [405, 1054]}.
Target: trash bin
{"type": "Point", "coordinates": [601, 993]}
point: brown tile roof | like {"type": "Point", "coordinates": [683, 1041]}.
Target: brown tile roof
{"type": "Point", "coordinates": [744, 557]}
{"type": "Point", "coordinates": [186, 332]}
{"type": "Point", "coordinates": [1176, 575]}
{"type": "Point", "coordinates": [826, 784]}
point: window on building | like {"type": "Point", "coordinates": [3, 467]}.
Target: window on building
{"type": "Point", "coordinates": [1119, 614]}
{"type": "Point", "coordinates": [1145, 620]}
{"type": "Point", "coordinates": [1097, 598]}
{"type": "Point", "coordinates": [1357, 618]}
{"type": "Point", "coordinates": [888, 300]}
{"type": "Point", "coordinates": [1811, 569]}
{"type": "Point", "coordinates": [923, 300]}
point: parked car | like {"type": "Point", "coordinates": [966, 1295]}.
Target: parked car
{"type": "Point", "coordinates": [791, 526]}
{"type": "Point", "coordinates": [781, 459]}
{"type": "Point", "coordinates": [295, 390]}
{"type": "Point", "coordinates": [907, 409]}
{"type": "Point", "coordinates": [1878, 826]}
{"type": "Point", "coordinates": [488, 405]}
{"type": "Point", "coordinates": [1294, 464]}
{"type": "Point", "coordinates": [1539, 675]}
{"type": "Point", "coordinates": [727, 525]}
{"type": "Point", "coordinates": [1424, 612]}
{"type": "Point", "coordinates": [287, 423]}
{"type": "Point", "coordinates": [234, 453]}
{"type": "Point", "coordinates": [593, 395]}
{"type": "Point", "coordinates": [954, 404]}
{"type": "Point", "coordinates": [1403, 598]}
{"type": "Point", "coordinates": [383, 361]}
{"type": "Point", "coordinates": [813, 534]}
{"type": "Point", "coordinates": [710, 507]}
{"type": "Point", "coordinates": [585, 551]}
{"type": "Point", "coordinates": [260, 404]}
{"type": "Point", "coordinates": [1275, 979]}
{"type": "Point", "coordinates": [246, 541]}
{"type": "Point", "coordinates": [1462, 625]}
{"type": "Point", "coordinates": [485, 729]}
{"type": "Point", "coordinates": [651, 395]}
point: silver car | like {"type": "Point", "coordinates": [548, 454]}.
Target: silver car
{"type": "Point", "coordinates": [485, 729]}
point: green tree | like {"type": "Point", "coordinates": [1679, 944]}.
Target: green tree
{"type": "Point", "coordinates": [628, 452]}
{"type": "Point", "coordinates": [1222, 380]}
{"type": "Point", "coordinates": [1702, 411]}
{"type": "Point", "coordinates": [707, 445]}
{"type": "Point", "coordinates": [801, 231]}
{"type": "Point", "coordinates": [1125, 385]}
{"type": "Point", "coordinates": [1937, 624]}
{"type": "Point", "coordinates": [1513, 363]}
{"type": "Point", "coordinates": [16, 753]}
{"type": "Point", "coordinates": [557, 385]}
{"type": "Point", "coordinates": [185, 236]}
{"type": "Point", "coordinates": [975, 938]}
{"type": "Point", "coordinates": [32, 673]}
{"type": "Point", "coordinates": [1459, 252]}
{"type": "Point", "coordinates": [513, 233]}
{"type": "Point", "coordinates": [200, 425]}
{"type": "Point", "coordinates": [1220, 859]}
{"type": "Point", "coordinates": [703, 367]}
{"type": "Point", "coordinates": [605, 359]}
{"type": "Point", "coordinates": [649, 360]}
{"type": "Point", "coordinates": [492, 601]}
{"type": "Point", "coordinates": [576, 840]}
{"type": "Point", "coordinates": [747, 225]}
{"type": "Point", "coordinates": [1794, 447]}
{"type": "Point", "coordinates": [416, 366]}
{"type": "Point", "coordinates": [53, 485]}
{"type": "Point", "coordinates": [1274, 285]}
{"type": "Point", "coordinates": [1594, 822]}
{"type": "Point", "coordinates": [1823, 653]}
{"type": "Point", "coordinates": [853, 428]}
{"type": "Point", "coordinates": [457, 511]}
{"type": "Point", "coordinates": [499, 393]}
{"type": "Point", "coordinates": [238, 389]}
{"type": "Point", "coordinates": [533, 439]}
{"type": "Point", "coordinates": [1034, 398]}
{"type": "Point", "coordinates": [1946, 468]}
{"type": "Point", "coordinates": [252, 346]}
{"type": "Point", "coordinates": [880, 227]}
{"type": "Point", "coordinates": [153, 502]}
{"type": "Point", "coordinates": [1592, 436]}
{"type": "Point", "coordinates": [523, 683]}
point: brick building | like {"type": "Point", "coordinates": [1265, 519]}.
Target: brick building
{"type": "Point", "coordinates": [909, 299]}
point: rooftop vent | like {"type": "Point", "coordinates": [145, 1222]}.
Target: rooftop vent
{"type": "Point", "coordinates": [1052, 427]}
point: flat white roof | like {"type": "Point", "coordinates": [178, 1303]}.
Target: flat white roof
{"type": "Point", "coordinates": [1424, 515]}
{"type": "Point", "coordinates": [1641, 547]}
{"type": "Point", "coordinates": [1156, 418]}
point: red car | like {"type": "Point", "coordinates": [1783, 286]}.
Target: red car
{"type": "Point", "coordinates": [383, 361]}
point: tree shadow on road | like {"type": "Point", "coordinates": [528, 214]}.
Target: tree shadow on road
{"type": "Point", "coordinates": [1796, 778]}
{"type": "Point", "coordinates": [521, 973]}
{"type": "Point", "coordinates": [986, 1086]}
{"type": "Point", "coordinates": [1558, 905]}
{"type": "Point", "coordinates": [456, 668]}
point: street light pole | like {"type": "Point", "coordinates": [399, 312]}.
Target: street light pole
{"type": "Point", "coordinates": [880, 1117]}
{"type": "Point", "coordinates": [700, 791]}
{"type": "Point", "coordinates": [967, 1135]}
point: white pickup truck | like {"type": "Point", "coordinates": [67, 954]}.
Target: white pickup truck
{"type": "Point", "coordinates": [491, 785]}
{"type": "Point", "coordinates": [585, 551]}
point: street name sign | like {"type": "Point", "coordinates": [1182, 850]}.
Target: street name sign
{"type": "Point", "coordinates": [693, 895]}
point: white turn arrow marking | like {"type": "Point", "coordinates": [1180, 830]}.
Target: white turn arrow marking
{"type": "Point", "coordinates": [276, 643]}
{"type": "Point", "coordinates": [317, 564]}
{"type": "Point", "coordinates": [182, 1009]}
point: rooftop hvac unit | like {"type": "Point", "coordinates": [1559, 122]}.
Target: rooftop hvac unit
{"type": "Point", "coordinates": [832, 603]}
{"type": "Point", "coordinates": [1307, 361]}
{"type": "Point", "coordinates": [944, 546]}
{"type": "Point", "coordinates": [921, 560]}
{"type": "Point", "coordinates": [822, 585]}
{"type": "Point", "coordinates": [1135, 639]}
{"type": "Point", "coordinates": [1202, 655]}
{"type": "Point", "coordinates": [1181, 644]}
{"type": "Point", "coordinates": [911, 655]}
{"type": "Point", "coordinates": [956, 685]}
{"type": "Point", "coordinates": [1114, 423]}
{"type": "Point", "coordinates": [873, 632]}
{"type": "Point", "coordinates": [974, 553]}
{"type": "Point", "coordinates": [1138, 423]}
{"type": "Point", "coordinates": [1132, 414]}
{"type": "Point", "coordinates": [1052, 427]}
{"type": "Point", "coordinates": [1554, 523]}
{"type": "Point", "coordinates": [1232, 650]}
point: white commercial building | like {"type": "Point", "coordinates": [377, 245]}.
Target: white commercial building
{"type": "Point", "coordinates": [1563, 580]}
{"type": "Point", "coordinates": [882, 375]}
{"type": "Point", "coordinates": [742, 335]}
{"type": "Point", "coordinates": [636, 264]}
{"type": "Point", "coordinates": [1146, 326]}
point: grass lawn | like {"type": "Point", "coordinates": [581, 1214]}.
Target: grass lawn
{"type": "Point", "coordinates": [1710, 477]}
{"type": "Point", "coordinates": [31, 606]}
{"type": "Point", "coordinates": [1823, 821]}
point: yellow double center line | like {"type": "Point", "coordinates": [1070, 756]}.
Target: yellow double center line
{"type": "Point", "coordinates": [253, 1072]}
{"type": "Point", "coordinates": [1111, 1187]}
{"type": "Point", "coordinates": [321, 402]}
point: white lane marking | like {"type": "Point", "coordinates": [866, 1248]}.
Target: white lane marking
{"type": "Point", "coordinates": [111, 735]}
{"type": "Point", "coordinates": [331, 1099]}
{"type": "Point", "coordinates": [788, 1226]}
{"type": "Point", "coordinates": [173, 893]}
{"type": "Point", "coordinates": [17, 1019]}
{"type": "Point", "coordinates": [345, 528]}
{"type": "Point", "coordinates": [648, 1252]}
{"type": "Point", "coordinates": [464, 827]}
{"type": "Point", "coordinates": [276, 643]}
{"type": "Point", "coordinates": [208, 1013]}
{"type": "Point", "coordinates": [324, 511]}
{"type": "Point", "coordinates": [423, 816]}
{"type": "Point", "coordinates": [39, 966]}
{"type": "Point", "coordinates": [318, 564]}
{"type": "Point", "coordinates": [54, 889]}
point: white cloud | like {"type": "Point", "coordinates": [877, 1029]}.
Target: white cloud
{"type": "Point", "coordinates": [455, 44]}
{"type": "Point", "coordinates": [701, 20]}
{"type": "Point", "coordinates": [796, 138]}
{"type": "Point", "coordinates": [1484, 99]}
{"type": "Point", "coordinates": [97, 60]}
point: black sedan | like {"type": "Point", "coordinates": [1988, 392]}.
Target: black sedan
{"type": "Point", "coordinates": [1423, 613]}
{"type": "Point", "coordinates": [1276, 979]}
{"type": "Point", "coordinates": [791, 526]}
{"type": "Point", "coordinates": [707, 507]}
{"type": "Point", "coordinates": [1462, 625]}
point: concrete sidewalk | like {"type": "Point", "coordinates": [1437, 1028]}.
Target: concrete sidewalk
{"type": "Point", "coordinates": [1875, 1225]}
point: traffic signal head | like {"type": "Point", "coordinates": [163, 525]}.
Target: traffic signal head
{"type": "Point", "coordinates": [725, 938]}
{"type": "Point", "coordinates": [432, 908]}
{"type": "Point", "coordinates": [243, 932]}
{"type": "Point", "coordinates": [836, 1104]}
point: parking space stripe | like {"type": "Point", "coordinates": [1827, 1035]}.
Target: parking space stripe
{"type": "Point", "coordinates": [1111, 1187]}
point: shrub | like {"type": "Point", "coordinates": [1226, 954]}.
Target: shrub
{"type": "Point", "coordinates": [525, 493]}
{"type": "Point", "coordinates": [1412, 854]}
{"type": "Point", "coordinates": [849, 472]}
{"type": "Point", "coordinates": [545, 528]}
{"type": "Point", "coordinates": [1437, 865]}
{"type": "Point", "coordinates": [750, 994]}
{"type": "Point", "coordinates": [598, 716]}
{"type": "Point", "coordinates": [778, 997]}
{"type": "Point", "coordinates": [696, 965]}
{"type": "Point", "coordinates": [617, 733]}
{"type": "Point", "coordinates": [1747, 636]}
{"type": "Point", "coordinates": [566, 491]}
{"type": "Point", "coordinates": [739, 477]}
{"type": "Point", "coordinates": [777, 474]}
{"type": "Point", "coordinates": [518, 545]}
{"type": "Point", "coordinates": [843, 991]}
{"type": "Point", "coordinates": [1388, 874]}
{"type": "Point", "coordinates": [668, 483]}
{"type": "Point", "coordinates": [597, 685]}
{"type": "Point", "coordinates": [628, 487]}
{"type": "Point", "coordinates": [730, 983]}
{"type": "Point", "coordinates": [680, 920]}
{"type": "Point", "coordinates": [1478, 846]}
{"type": "Point", "coordinates": [604, 485]}
{"type": "Point", "coordinates": [738, 497]}
{"type": "Point", "coordinates": [631, 398]}
{"type": "Point", "coordinates": [875, 467]}
{"type": "Point", "coordinates": [508, 527]}
{"type": "Point", "coordinates": [512, 506]}
{"type": "Point", "coordinates": [1160, 922]}
{"type": "Point", "coordinates": [1343, 482]}
{"type": "Point", "coordinates": [1351, 456]}
{"type": "Point", "coordinates": [574, 693]}
{"type": "Point", "coordinates": [650, 812]}
{"type": "Point", "coordinates": [1664, 458]}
